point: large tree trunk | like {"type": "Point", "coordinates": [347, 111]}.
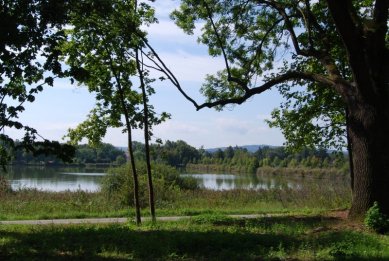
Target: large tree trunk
{"type": "Point", "coordinates": [369, 133]}
{"type": "Point", "coordinates": [367, 101]}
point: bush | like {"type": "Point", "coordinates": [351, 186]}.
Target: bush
{"type": "Point", "coordinates": [5, 187]}
{"type": "Point", "coordinates": [117, 185]}
{"type": "Point", "coordinates": [376, 220]}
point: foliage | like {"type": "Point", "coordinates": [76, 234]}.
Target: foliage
{"type": "Point", "coordinates": [5, 187]}
{"type": "Point", "coordinates": [105, 153]}
{"type": "Point", "coordinates": [104, 52]}
{"type": "Point", "coordinates": [335, 52]}
{"type": "Point", "coordinates": [175, 153]}
{"type": "Point", "coordinates": [376, 220]}
{"type": "Point", "coordinates": [180, 154]}
{"type": "Point", "coordinates": [117, 185]}
{"type": "Point", "coordinates": [29, 60]}
{"type": "Point", "coordinates": [100, 50]}
{"type": "Point", "coordinates": [253, 37]}
{"type": "Point", "coordinates": [214, 219]}
{"type": "Point", "coordinates": [311, 118]}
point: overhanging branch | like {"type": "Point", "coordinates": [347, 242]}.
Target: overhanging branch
{"type": "Point", "coordinates": [283, 78]}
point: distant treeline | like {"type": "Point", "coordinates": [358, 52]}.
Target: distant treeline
{"type": "Point", "coordinates": [238, 159]}
{"type": "Point", "coordinates": [103, 154]}
{"type": "Point", "coordinates": [180, 154]}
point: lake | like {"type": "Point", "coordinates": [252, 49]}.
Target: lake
{"type": "Point", "coordinates": [88, 179]}
{"type": "Point", "coordinates": [55, 179]}
{"type": "Point", "coordinates": [262, 181]}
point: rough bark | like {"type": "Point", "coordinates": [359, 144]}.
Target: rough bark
{"type": "Point", "coordinates": [367, 102]}
{"type": "Point", "coordinates": [370, 143]}
{"type": "Point", "coordinates": [350, 151]}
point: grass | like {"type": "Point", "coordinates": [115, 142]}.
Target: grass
{"type": "Point", "coordinates": [300, 229]}
{"type": "Point", "coordinates": [34, 204]}
{"type": "Point", "coordinates": [205, 237]}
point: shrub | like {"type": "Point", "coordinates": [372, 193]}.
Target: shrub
{"type": "Point", "coordinates": [214, 219]}
{"type": "Point", "coordinates": [117, 185]}
{"type": "Point", "coordinates": [376, 220]}
{"type": "Point", "coordinates": [5, 187]}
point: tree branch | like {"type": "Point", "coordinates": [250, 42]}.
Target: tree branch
{"type": "Point", "coordinates": [238, 81]}
{"type": "Point", "coordinates": [342, 14]}
{"type": "Point", "coordinates": [167, 72]}
{"type": "Point", "coordinates": [380, 15]}
{"type": "Point", "coordinates": [355, 42]}
{"type": "Point", "coordinates": [288, 76]}
{"type": "Point", "coordinates": [32, 90]}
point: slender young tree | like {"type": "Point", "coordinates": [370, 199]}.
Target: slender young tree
{"type": "Point", "coordinates": [146, 134]}
{"type": "Point", "coordinates": [96, 55]}
{"type": "Point", "coordinates": [104, 52]}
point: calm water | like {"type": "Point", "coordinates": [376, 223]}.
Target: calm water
{"type": "Point", "coordinates": [230, 181]}
{"type": "Point", "coordinates": [55, 179]}
{"type": "Point", "coordinates": [61, 179]}
{"type": "Point", "coordinates": [256, 182]}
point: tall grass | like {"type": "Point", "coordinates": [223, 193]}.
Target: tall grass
{"type": "Point", "coordinates": [174, 196]}
{"type": "Point", "coordinates": [34, 204]}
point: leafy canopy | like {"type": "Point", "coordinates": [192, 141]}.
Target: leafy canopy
{"type": "Point", "coordinates": [277, 44]}
{"type": "Point", "coordinates": [30, 33]}
{"type": "Point", "coordinates": [101, 52]}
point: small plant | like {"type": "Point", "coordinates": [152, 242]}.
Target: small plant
{"type": "Point", "coordinates": [342, 250]}
{"type": "Point", "coordinates": [376, 220]}
{"type": "Point", "coordinates": [214, 219]}
{"type": "Point", "coordinates": [5, 187]}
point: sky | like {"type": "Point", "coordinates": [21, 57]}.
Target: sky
{"type": "Point", "coordinates": [64, 106]}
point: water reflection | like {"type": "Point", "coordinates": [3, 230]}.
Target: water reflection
{"type": "Point", "coordinates": [257, 182]}
{"type": "Point", "coordinates": [88, 179]}
{"type": "Point", "coordinates": [55, 179]}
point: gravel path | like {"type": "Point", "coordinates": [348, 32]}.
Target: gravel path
{"type": "Point", "coordinates": [105, 220]}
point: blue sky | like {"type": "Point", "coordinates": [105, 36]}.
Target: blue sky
{"type": "Point", "coordinates": [64, 106]}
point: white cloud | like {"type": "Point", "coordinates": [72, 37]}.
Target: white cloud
{"type": "Point", "coordinates": [263, 117]}
{"type": "Point", "coordinates": [218, 131]}
{"type": "Point", "coordinates": [191, 67]}
{"type": "Point", "coordinates": [167, 31]}
{"type": "Point", "coordinates": [163, 8]}
{"type": "Point", "coordinates": [237, 126]}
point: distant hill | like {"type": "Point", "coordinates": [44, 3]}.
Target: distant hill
{"type": "Point", "coordinates": [122, 148]}
{"type": "Point", "coordinates": [250, 148]}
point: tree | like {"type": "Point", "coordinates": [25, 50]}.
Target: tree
{"type": "Point", "coordinates": [104, 51]}
{"type": "Point", "coordinates": [143, 81]}
{"type": "Point", "coordinates": [335, 51]}
{"type": "Point", "coordinates": [30, 33]}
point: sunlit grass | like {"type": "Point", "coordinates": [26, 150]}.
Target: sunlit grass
{"type": "Point", "coordinates": [205, 237]}
{"type": "Point", "coordinates": [297, 228]}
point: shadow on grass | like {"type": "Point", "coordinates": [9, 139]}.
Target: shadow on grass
{"type": "Point", "coordinates": [235, 242]}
